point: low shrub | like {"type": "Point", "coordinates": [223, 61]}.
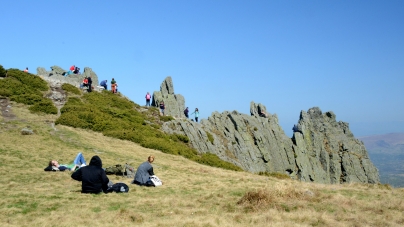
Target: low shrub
{"type": "Point", "coordinates": [44, 106]}
{"type": "Point", "coordinates": [166, 118]}
{"type": "Point", "coordinates": [210, 137]}
{"type": "Point", "coordinates": [2, 71]}
{"type": "Point", "coordinates": [71, 88]}
{"type": "Point", "coordinates": [182, 138]}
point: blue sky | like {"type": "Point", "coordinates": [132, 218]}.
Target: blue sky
{"type": "Point", "coordinates": [342, 56]}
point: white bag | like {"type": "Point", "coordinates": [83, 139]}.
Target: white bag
{"type": "Point", "coordinates": [156, 181]}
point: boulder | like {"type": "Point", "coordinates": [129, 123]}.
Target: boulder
{"type": "Point", "coordinates": [26, 131]}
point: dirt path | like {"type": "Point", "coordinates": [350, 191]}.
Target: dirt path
{"type": "Point", "coordinates": [6, 109]}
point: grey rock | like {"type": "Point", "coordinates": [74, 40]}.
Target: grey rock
{"type": "Point", "coordinates": [174, 103]}
{"type": "Point", "coordinates": [325, 152]}
{"type": "Point", "coordinates": [26, 131]}
{"type": "Point", "coordinates": [42, 72]}
{"type": "Point", "coordinates": [167, 87]}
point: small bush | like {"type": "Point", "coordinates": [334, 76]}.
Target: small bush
{"type": "Point", "coordinates": [210, 137]}
{"type": "Point", "coordinates": [212, 160]}
{"type": "Point", "coordinates": [45, 106]}
{"type": "Point", "coordinates": [182, 138]}
{"type": "Point", "coordinates": [28, 99]}
{"type": "Point", "coordinates": [166, 118]}
{"type": "Point", "coordinates": [2, 71]}
{"type": "Point", "coordinates": [70, 88]}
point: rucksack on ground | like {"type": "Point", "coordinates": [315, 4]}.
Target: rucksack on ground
{"type": "Point", "coordinates": [116, 169]}
{"type": "Point", "coordinates": [129, 171]}
{"type": "Point", "coordinates": [118, 188]}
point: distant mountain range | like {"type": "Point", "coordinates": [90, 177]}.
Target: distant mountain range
{"type": "Point", "coordinates": [387, 154]}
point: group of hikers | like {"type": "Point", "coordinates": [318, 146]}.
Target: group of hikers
{"type": "Point", "coordinates": [72, 70]}
{"type": "Point", "coordinates": [87, 82]}
{"type": "Point", "coordinates": [114, 85]}
{"type": "Point", "coordinates": [163, 107]}
{"type": "Point", "coordinates": [94, 178]}
{"type": "Point", "coordinates": [196, 112]}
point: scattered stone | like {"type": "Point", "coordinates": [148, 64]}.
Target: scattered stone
{"type": "Point", "coordinates": [26, 131]}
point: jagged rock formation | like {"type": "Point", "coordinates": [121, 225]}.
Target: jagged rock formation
{"type": "Point", "coordinates": [174, 103]}
{"type": "Point", "coordinates": [325, 151]}
{"type": "Point", "coordinates": [330, 150]}
{"type": "Point", "coordinates": [55, 77]}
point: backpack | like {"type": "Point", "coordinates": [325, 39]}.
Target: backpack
{"type": "Point", "coordinates": [116, 169]}
{"type": "Point", "coordinates": [118, 188]}
{"type": "Point", "coordinates": [129, 171]}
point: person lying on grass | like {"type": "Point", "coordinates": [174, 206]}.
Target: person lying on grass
{"type": "Point", "coordinates": [78, 162]}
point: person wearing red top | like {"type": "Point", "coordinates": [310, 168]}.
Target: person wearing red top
{"type": "Point", "coordinates": [70, 71]}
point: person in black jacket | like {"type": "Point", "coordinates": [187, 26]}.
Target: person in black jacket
{"type": "Point", "coordinates": [90, 82]}
{"type": "Point", "coordinates": [93, 177]}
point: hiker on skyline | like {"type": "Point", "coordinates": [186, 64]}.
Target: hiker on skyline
{"type": "Point", "coordinates": [93, 177]}
{"type": "Point", "coordinates": [143, 173]}
{"type": "Point", "coordinates": [113, 85]}
{"type": "Point", "coordinates": [89, 83]}
{"type": "Point", "coordinates": [85, 82]}
{"type": "Point", "coordinates": [186, 111]}
{"type": "Point", "coordinates": [196, 112]}
{"type": "Point", "coordinates": [26, 69]}
{"type": "Point", "coordinates": [148, 96]}
{"type": "Point", "coordinates": [104, 84]}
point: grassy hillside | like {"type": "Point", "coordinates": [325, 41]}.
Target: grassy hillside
{"type": "Point", "coordinates": [192, 194]}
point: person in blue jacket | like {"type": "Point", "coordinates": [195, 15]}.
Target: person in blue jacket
{"type": "Point", "coordinates": [196, 112]}
{"type": "Point", "coordinates": [104, 84]}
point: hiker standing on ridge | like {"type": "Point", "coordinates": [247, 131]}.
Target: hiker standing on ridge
{"type": "Point", "coordinates": [89, 82]}
{"type": "Point", "coordinates": [26, 69]}
{"type": "Point", "coordinates": [186, 111]}
{"type": "Point", "coordinates": [196, 112]}
{"type": "Point", "coordinates": [148, 96]}
{"type": "Point", "coordinates": [162, 107]}
{"type": "Point", "coordinates": [113, 85]}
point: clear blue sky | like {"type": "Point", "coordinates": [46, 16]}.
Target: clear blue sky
{"type": "Point", "coordinates": [343, 56]}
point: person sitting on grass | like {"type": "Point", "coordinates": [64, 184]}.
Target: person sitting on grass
{"type": "Point", "coordinates": [93, 177]}
{"type": "Point", "coordinates": [78, 162]}
{"type": "Point", "coordinates": [143, 173]}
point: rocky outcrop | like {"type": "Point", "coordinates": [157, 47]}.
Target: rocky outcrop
{"type": "Point", "coordinates": [325, 151]}
{"type": "Point", "coordinates": [55, 77]}
{"type": "Point", "coordinates": [174, 103]}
